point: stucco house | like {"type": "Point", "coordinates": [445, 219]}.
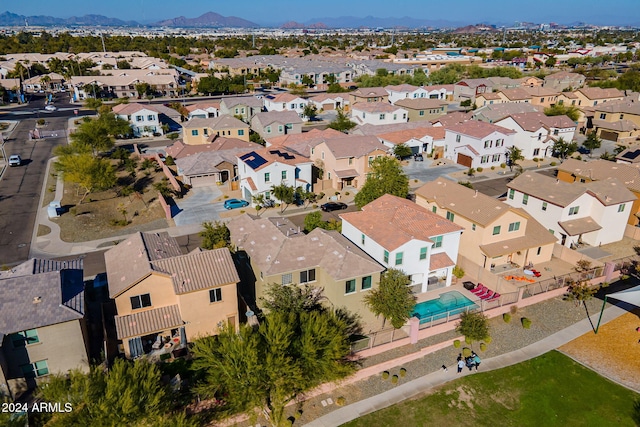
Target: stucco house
{"type": "Point", "coordinates": [368, 94]}
{"type": "Point", "coordinates": [378, 113]}
{"type": "Point", "coordinates": [423, 108]}
{"type": "Point", "coordinates": [400, 234]}
{"type": "Point", "coordinates": [203, 131]}
{"type": "Point", "coordinates": [425, 139]}
{"type": "Point", "coordinates": [477, 144]}
{"type": "Point", "coordinates": [564, 80]}
{"type": "Point", "coordinates": [276, 123]}
{"type": "Point", "coordinates": [470, 88]}
{"type": "Point", "coordinates": [281, 254]}
{"type": "Point", "coordinates": [591, 213]}
{"type": "Point", "coordinates": [143, 119]}
{"type": "Point", "coordinates": [42, 323]}
{"type": "Point", "coordinates": [615, 121]}
{"type": "Point", "coordinates": [405, 91]}
{"type": "Point", "coordinates": [241, 106]}
{"type": "Point", "coordinates": [285, 102]}
{"type": "Point", "coordinates": [495, 233]}
{"type": "Point", "coordinates": [330, 101]}
{"type": "Point", "coordinates": [592, 96]}
{"type": "Point", "coordinates": [203, 110]}
{"type": "Point", "coordinates": [164, 298]}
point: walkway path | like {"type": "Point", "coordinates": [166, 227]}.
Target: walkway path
{"type": "Point", "coordinates": [421, 385]}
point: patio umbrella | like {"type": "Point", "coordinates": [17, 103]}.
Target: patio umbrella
{"type": "Point", "coordinates": [630, 296]}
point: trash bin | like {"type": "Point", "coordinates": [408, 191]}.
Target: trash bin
{"type": "Point", "coordinates": [53, 211]}
{"type": "Point", "coordinates": [468, 285]}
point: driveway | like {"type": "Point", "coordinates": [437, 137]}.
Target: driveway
{"type": "Point", "coordinates": [199, 206]}
{"type": "Point", "coordinates": [425, 171]}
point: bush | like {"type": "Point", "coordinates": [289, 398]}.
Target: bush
{"type": "Point", "coordinates": [458, 272]}
{"type": "Point", "coordinates": [471, 171]}
{"type": "Point", "coordinates": [493, 168]}
{"type": "Point", "coordinates": [480, 169]}
{"type": "Point", "coordinates": [73, 211]}
{"type": "Point", "coordinates": [578, 157]}
{"type": "Point", "coordinates": [466, 352]}
{"type": "Point", "coordinates": [169, 161]}
{"type": "Point", "coordinates": [346, 193]}
{"type": "Point", "coordinates": [385, 375]}
{"type": "Point", "coordinates": [526, 323]}
{"type": "Point", "coordinates": [488, 340]}
{"type": "Point", "coordinates": [483, 347]}
{"type": "Point", "coordinates": [403, 372]}
{"type": "Point", "coordinates": [468, 340]}
{"type": "Point", "coordinates": [41, 122]}
{"type": "Point", "coordinates": [506, 317]}
{"type": "Point", "coordinates": [553, 163]}
{"type": "Point", "coordinates": [394, 379]}
{"type": "Point", "coordinates": [503, 165]}
{"type": "Point", "coordinates": [457, 343]}
{"type": "Point", "coordinates": [340, 401]}
{"type": "Point", "coordinates": [535, 159]}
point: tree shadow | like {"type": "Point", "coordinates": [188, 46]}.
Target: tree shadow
{"type": "Point", "coordinates": [142, 183]}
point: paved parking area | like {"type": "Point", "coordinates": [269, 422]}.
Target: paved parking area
{"type": "Point", "coordinates": [426, 171]}
{"type": "Point", "coordinates": [199, 206]}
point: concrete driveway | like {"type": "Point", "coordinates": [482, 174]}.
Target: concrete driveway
{"type": "Point", "coordinates": [425, 171]}
{"type": "Point", "coordinates": [199, 206]}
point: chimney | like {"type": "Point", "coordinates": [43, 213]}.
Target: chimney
{"type": "Point", "coordinates": [37, 300]}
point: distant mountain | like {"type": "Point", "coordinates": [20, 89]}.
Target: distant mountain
{"type": "Point", "coordinates": [209, 19]}
{"type": "Point", "coordinates": [475, 29]}
{"type": "Point", "coordinates": [293, 25]}
{"type": "Point", "coordinates": [12, 19]}
{"type": "Point", "coordinates": [375, 22]}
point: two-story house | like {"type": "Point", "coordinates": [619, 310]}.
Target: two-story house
{"type": "Point", "coordinates": [164, 298]}
{"type": "Point", "coordinates": [203, 131]}
{"type": "Point", "coordinates": [203, 110]}
{"type": "Point", "coordinates": [285, 102]}
{"type": "Point", "coordinates": [543, 97]}
{"type": "Point", "coordinates": [346, 161]}
{"type": "Point", "coordinates": [441, 92]}
{"type": "Point", "coordinates": [260, 170]}
{"type": "Point", "coordinates": [427, 139]}
{"type": "Point", "coordinates": [423, 108]}
{"type": "Point", "coordinates": [368, 94]}
{"type": "Point", "coordinates": [592, 96]}
{"type": "Point", "coordinates": [468, 89]}
{"type": "Point", "coordinates": [244, 107]}
{"type": "Point", "coordinates": [330, 101]}
{"type": "Point", "coordinates": [378, 113]}
{"type": "Point", "coordinates": [400, 234]}
{"type": "Point", "coordinates": [564, 80]}
{"type": "Point", "coordinates": [536, 132]}
{"type": "Point", "coordinates": [143, 119]}
{"type": "Point", "coordinates": [591, 213]}
{"type": "Point", "coordinates": [405, 91]}
{"type": "Point", "coordinates": [615, 121]}
{"type": "Point", "coordinates": [42, 323]}
{"type": "Point", "coordinates": [495, 233]}
{"type": "Point", "coordinates": [281, 254]}
{"type": "Point", "coordinates": [477, 144]}
{"type": "Point", "coordinates": [276, 123]}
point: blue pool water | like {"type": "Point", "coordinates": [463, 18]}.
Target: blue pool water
{"type": "Point", "coordinates": [452, 302]}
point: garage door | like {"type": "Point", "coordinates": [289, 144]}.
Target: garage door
{"type": "Point", "coordinates": [464, 160]}
{"type": "Point", "coordinates": [328, 106]}
{"type": "Point", "coordinates": [203, 181]}
{"type": "Point", "coordinates": [608, 135]}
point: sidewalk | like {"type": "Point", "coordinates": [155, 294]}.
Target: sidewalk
{"type": "Point", "coordinates": [421, 385]}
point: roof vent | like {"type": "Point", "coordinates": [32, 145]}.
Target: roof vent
{"type": "Point", "coordinates": [37, 300]}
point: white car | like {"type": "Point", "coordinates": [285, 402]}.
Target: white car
{"type": "Point", "coordinates": [50, 108]}
{"type": "Point", "coordinates": [15, 160]}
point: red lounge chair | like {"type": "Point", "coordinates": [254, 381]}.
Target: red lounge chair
{"type": "Point", "coordinates": [495, 296]}
{"type": "Point", "coordinates": [478, 290]}
{"type": "Point", "coordinates": [536, 273]}
{"type": "Point", "coordinates": [488, 295]}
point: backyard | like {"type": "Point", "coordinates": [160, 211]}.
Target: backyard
{"type": "Point", "coordinates": [550, 390]}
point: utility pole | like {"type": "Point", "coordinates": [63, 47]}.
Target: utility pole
{"type": "Point", "coordinates": [104, 49]}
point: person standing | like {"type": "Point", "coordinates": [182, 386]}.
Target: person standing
{"type": "Point", "coordinates": [476, 360]}
{"type": "Point", "coordinates": [460, 365]}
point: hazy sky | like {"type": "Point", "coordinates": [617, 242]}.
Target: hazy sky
{"type": "Point", "coordinates": [612, 12]}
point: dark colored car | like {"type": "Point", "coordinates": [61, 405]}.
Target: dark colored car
{"type": "Point", "coordinates": [333, 206]}
{"type": "Point", "coordinates": [418, 157]}
{"type": "Point", "coordinates": [235, 203]}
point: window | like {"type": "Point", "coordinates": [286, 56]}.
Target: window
{"type": "Point", "coordinates": [514, 226]}
{"type": "Point", "coordinates": [525, 199]}
{"type": "Point", "coordinates": [512, 192]}
{"type": "Point", "coordinates": [496, 230]}
{"type": "Point", "coordinates": [280, 129]}
{"type": "Point", "coordinates": [574, 210]}
{"type": "Point", "coordinates": [150, 118]}
{"type": "Point", "coordinates": [421, 113]}
{"type": "Point", "coordinates": [267, 177]}
{"type": "Point", "coordinates": [237, 111]}
{"type": "Point", "coordinates": [350, 286]}
{"type": "Point", "coordinates": [268, 129]}
{"type": "Point", "coordinates": [370, 160]}
{"type": "Point", "coordinates": [457, 138]}
{"type": "Point", "coordinates": [395, 117]}
{"type": "Point", "coordinates": [240, 132]}
{"type": "Point", "coordinates": [215, 295]}
{"type": "Point", "coordinates": [495, 158]}
{"type": "Point", "coordinates": [308, 276]}
{"type": "Point", "coordinates": [194, 132]}
{"type": "Point", "coordinates": [382, 116]}
{"type": "Point", "coordinates": [35, 369]}
{"type": "Point", "coordinates": [139, 118]}
{"type": "Point", "coordinates": [551, 231]}
{"type": "Point", "coordinates": [484, 159]}
{"type": "Point", "coordinates": [603, 116]}
{"type": "Point", "coordinates": [366, 283]}
{"type": "Point", "coordinates": [434, 209]}
{"type": "Point", "coordinates": [140, 301]}
{"type": "Point", "coordinates": [539, 250]}
{"type": "Point", "coordinates": [621, 208]}
{"type": "Point", "coordinates": [423, 253]}
{"type": "Point", "coordinates": [284, 174]}
{"type": "Point", "coordinates": [473, 227]}
{"type": "Point", "coordinates": [487, 144]}
{"type": "Point", "coordinates": [399, 256]}
{"type": "Point", "coordinates": [386, 257]}
{"type": "Point", "coordinates": [437, 242]}
{"type": "Point", "coordinates": [287, 279]}
{"type": "Point", "coordinates": [206, 131]}
{"type": "Point", "coordinates": [450, 216]}
{"type": "Point", "coordinates": [362, 239]}
{"type": "Point", "coordinates": [621, 116]}
{"type": "Point", "coordinates": [242, 110]}
{"type": "Point", "coordinates": [536, 151]}
{"type": "Point", "coordinates": [21, 339]}
{"type": "Point", "coordinates": [544, 206]}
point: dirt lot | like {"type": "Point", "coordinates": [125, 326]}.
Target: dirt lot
{"type": "Point", "coordinates": [614, 352]}
{"type": "Point", "coordinates": [96, 217]}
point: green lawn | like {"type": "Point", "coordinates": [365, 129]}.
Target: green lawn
{"type": "Point", "coordinates": [550, 390]}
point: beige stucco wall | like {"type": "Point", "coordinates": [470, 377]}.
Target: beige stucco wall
{"type": "Point", "coordinates": [414, 115]}
{"type": "Point", "coordinates": [202, 317]}
{"type": "Point", "coordinates": [158, 286]}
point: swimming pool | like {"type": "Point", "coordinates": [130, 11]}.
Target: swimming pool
{"type": "Point", "coordinates": [452, 302]}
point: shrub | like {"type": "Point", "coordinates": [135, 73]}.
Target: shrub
{"type": "Point", "coordinates": [346, 193]}
{"type": "Point", "coordinates": [480, 169]}
{"type": "Point", "coordinates": [468, 340]}
{"type": "Point", "coordinates": [394, 379]}
{"type": "Point", "coordinates": [41, 122]}
{"type": "Point", "coordinates": [226, 196]}
{"type": "Point", "coordinates": [483, 347]}
{"type": "Point", "coordinates": [471, 171]}
{"type": "Point", "coordinates": [578, 157]}
{"type": "Point", "coordinates": [506, 317]}
{"type": "Point", "coordinates": [415, 180]}
{"type": "Point", "coordinates": [488, 340]}
{"type": "Point", "coordinates": [553, 163]}
{"type": "Point", "coordinates": [340, 401]}
{"type": "Point", "coordinates": [457, 343]}
{"type": "Point", "coordinates": [403, 372]}
{"type": "Point", "coordinates": [466, 352]}
{"type": "Point", "coordinates": [493, 168]}
{"type": "Point", "coordinates": [73, 211]}
{"type": "Point", "coordinates": [503, 165]}
{"type": "Point", "coordinates": [535, 159]}
{"type": "Point", "coordinates": [526, 323]}
{"type": "Point", "coordinates": [385, 375]}
{"type": "Point", "coordinates": [169, 161]}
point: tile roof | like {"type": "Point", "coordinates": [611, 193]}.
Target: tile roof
{"type": "Point", "coordinates": [249, 101]}
{"type": "Point", "coordinates": [276, 246]}
{"type": "Point", "coordinates": [365, 92]}
{"type": "Point", "coordinates": [148, 321]}
{"type": "Point", "coordinates": [576, 227]}
{"type": "Point", "coordinates": [490, 95]}
{"type": "Point", "coordinates": [130, 261]}
{"type": "Point", "coordinates": [440, 260]}
{"type": "Point", "coordinates": [369, 129]}
{"type": "Point", "coordinates": [34, 300]}
{"type": "Point", "coordinates": [206, 162]}
{"type": "Point", "coordinates": [199, 270]}
{"type": "Point", "coordinates": [600, 93]}
{"type": "Point", "coordinates": [603, 169]}
{"type": "Point", "coordinates": [223, 144]}
{"type": "Point", "coordinates": [454, 118]}
{"type": "Point", "coordinates": [375, 107]}
{"type": "Point", "coordinates": [618, 125]}
{"type": "Point", "coordinates": [403, 136]}
{"type": "Point", "coordinates": [478, 129]}
{"type": "Point", "coordinates": [302, 143]}
{"type": "Point", "coordinates": [128, 109]}
{"type": "Point", "coordinates": [629, 155]}
{"type": "Point", "coordinates": [393, 221]}
{"type": "Point", "coordinates": [37, 266]}
{"type": "Point", "coordinates": [619, 107]}
{"type": "Point", "coordinates": [347, 173]}
{"type": "Point", "coordinates": [564, 75]}
{"type": "Point", "coordinates": [420, 103]}
{"type": "Point", "coordinates": [401, 88]}
{"type": "Point", "coordinates": [448, 88]}
{"type": "Point", "coordinates": [282, 97]}
{"type": "Point", "coordinates": [203, 106]}
{"type": "Point", "coordinates": [284, 117]}
{"type": "Point", "coordinates": [532, 122]}
{"type": "Point", "coordinates": [516, 94]}
{"type": "Point", "coordinates": [270, 155]}
{"type": "Point", "coordinates": [474, 83]}
{"type": "Point", "coordinates": [540, 91]}
{"type": "Point", "coordinates": [354, 146]}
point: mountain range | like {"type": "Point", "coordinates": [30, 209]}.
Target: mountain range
{"type": "Point", "coordinates": [12, 19]}
{"type": "Point", "coordinates": [209, 19]}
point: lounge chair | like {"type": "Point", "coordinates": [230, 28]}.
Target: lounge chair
{"type": "Point", "coordinates": [495, 296]}
{"type": "Point", "coordinates": [488, 295]}
{"type": "Point", "coordinates": [480, 289]}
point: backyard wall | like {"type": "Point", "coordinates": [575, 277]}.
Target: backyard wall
{"type": "Point", "coordinates": [172, 179]}
{"type": "Point", "coordinates": [632, 232]}
{"type": "Point", "coordinates": [165, 207]}
{"type": "Point", "coordinates": [572, 257]}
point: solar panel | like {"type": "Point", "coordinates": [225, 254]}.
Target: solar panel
{"type": "Point", "coordinates": [253, 160]}
{"type": "Point", "coordinates": [631, 154]}
{"type": "Point", "coordinates": [284, 155]}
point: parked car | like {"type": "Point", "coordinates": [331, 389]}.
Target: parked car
{"type": "Point", "coordinates": [235, 203]}
{"type": "Point", "coordinates": [50, 107]}
{"type": "Point", "coordinates": [418, 157]}
{"type": "Point", "coordinates": [333, 206]}
{"type": "Point", "coordinates": [15, 160]}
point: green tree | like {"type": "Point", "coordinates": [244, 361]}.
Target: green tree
{"type": "Point", "coordinates": [215, 235]}
{"type": "Point", "coordinates": [402, 150]}
{"type": "Point", "coordinates": [342, 123]}
{"type": "Point", "coordinates": [336, 88]}
{"type": "Point", "coordinates": [143, 89]}
{"type": "Point", "coordinates": [310, 111]}
{"type": "Point", "coordinates": [163, 187]}
{"type": "Point", "coordinates": [93, 103]}
{"type": "Point", "coordinates": [307, 80]}
{"type": "Point", "coordinates": [296, 299]}
{"type": "Point", "coordinates": [592, 142]}
{"type": "Point", "coordinates": [89, 173]}
{"type": "Point", "coordinates": [392, 299]}
{"type": "Point", "coordinates": [550, 62]}
{"type": "Point", "coordinates": [284, 193]}
{"type": "Point", "coordinates": [474, 326]}
{"type": "Point", "coordinates": [563, 149]}
{"type": "Point", "coordinates": [385, 177]}
{"type": "Point", "coordinates": [312, 221]}
{"type": "Point", "coordinates": [514, 155]}
{"type": "Point", "coordinates": [558, 110]}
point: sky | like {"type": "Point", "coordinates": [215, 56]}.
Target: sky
{"type": "Point", "coordinates": [270, 12]}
